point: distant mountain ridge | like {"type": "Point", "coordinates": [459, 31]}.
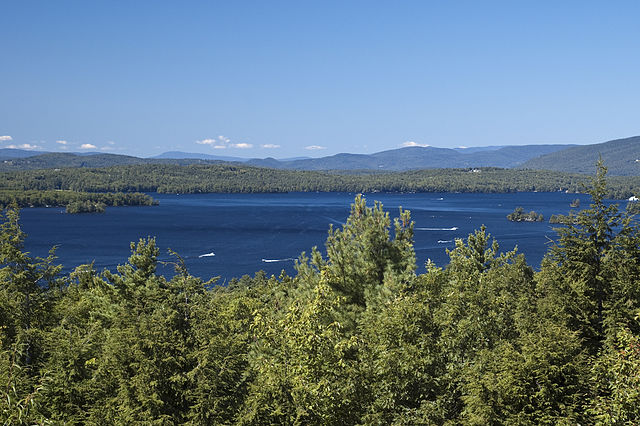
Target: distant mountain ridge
{"type": "Point", "coordinates": [390, 160]}
{"type": "Point", "coordinates": [7, 153]}
{"type": "Point", "coordinates": [54, 160]}
{"type": "Point", "coordinates": [418, 158]}
{"type": "Point", "coordinates": [621, 156]}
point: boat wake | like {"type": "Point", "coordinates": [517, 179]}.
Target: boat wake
{"type": "Point", "coordinates": [444, 241]}
{"type": "Point", "coordinates": [207, 255]}
{"type": "Point", "coordinates": [455, 228]}
{"type": "Point", "coordinates": [288, 259]}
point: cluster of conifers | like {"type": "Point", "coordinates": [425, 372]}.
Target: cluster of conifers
{"type": "Point", "coordinates": [518, 215]}
{"type": "Point", "coordinates": [355, 337]}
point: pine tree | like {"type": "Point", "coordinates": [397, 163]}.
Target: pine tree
{"type": "Point", "coordinates": [592, 270]}
{"type": "Point", "coordinates": [25, 315]}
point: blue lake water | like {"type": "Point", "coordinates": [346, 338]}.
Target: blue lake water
{"type": "Point", "coordinates": [230, 235]}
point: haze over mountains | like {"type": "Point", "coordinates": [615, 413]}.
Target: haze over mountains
{"type": "Point", "coordinates": [621, 156]}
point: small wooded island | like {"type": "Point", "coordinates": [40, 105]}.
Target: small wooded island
{"type": "Point", "coordinates": [518, 215]}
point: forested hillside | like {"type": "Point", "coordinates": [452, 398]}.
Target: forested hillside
{"type": "Point", "coordinates": [238, 178]}
{"type": "Point", "coordinates": [354, 337]}
{"type": "Point", "coordinates": [622, 157]}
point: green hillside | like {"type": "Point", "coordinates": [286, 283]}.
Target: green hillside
{"type": "Point", "coordinates": [621, 156]}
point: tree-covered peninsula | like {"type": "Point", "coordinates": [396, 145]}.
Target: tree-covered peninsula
{"type": "Point", "coordinates": [74, 201]}
{"type": "Point", "coordinates": [355, 336]}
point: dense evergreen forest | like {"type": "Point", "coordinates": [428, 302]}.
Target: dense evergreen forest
{"type": "Point", "coordinates": [354, 337]}
{"type": "Point", "coordinates": [237, 178]}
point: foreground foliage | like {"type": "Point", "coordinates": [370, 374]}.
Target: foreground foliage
{"type": "Point", "coordinates": [355, 337]}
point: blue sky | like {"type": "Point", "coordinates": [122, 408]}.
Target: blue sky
{"type": "Point", "coordinates": [299, 78]}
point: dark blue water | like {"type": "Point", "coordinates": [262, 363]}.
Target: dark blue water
{"type": "Point", "coordinates": [250, 232]}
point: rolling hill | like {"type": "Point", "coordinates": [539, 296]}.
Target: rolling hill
{"type": "Point", "coordinates": [59, 160]}
{"type": "Point", "coordinates": [621, 156]}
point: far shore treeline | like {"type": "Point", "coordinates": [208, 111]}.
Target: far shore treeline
{"type": "Point", "coordinates": [355, 336]}
{"type": "Point", "coordinates": [232, 178]}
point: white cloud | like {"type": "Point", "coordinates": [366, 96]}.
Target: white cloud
{"type": "Point", "coordinates": [62, 142]}
{"type": "Point", "coordinates": [23, 146]}
{"type": "Point", "coordinates": [219, 141]}
{"type": "Point", "coordinates": [463, 147]}
{"type": "Point", "coordinates": [5, 138]}
{"type": "Point", "coordinates": [314, 147]}
{"type": "Point", "coordinates": [88, 146]}
{"type": "Point", "coordinates": [270, 146]}
{"type": "Point", "coordinates": [241, 145]}
{"type": "Point", "coordinates": [412, 143]}
{"type": "Point", "coordinates": [223, 142]}
{"type": "Point", "coordinates": [111, 143]}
